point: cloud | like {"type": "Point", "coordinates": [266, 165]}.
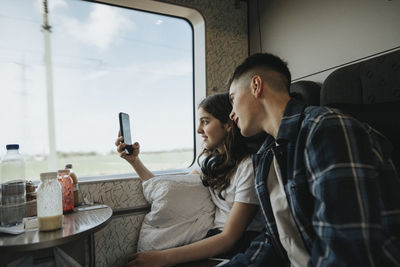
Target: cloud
{"type": "Point", "coordinates": [52, 4]}
{"type": "Point", "coordinates": [163, 69]}
{"type": "Point", "coordinates": [101, 27]}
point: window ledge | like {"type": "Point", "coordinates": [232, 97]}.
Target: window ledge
{"type": "Point", "coordinates": [125, 176]}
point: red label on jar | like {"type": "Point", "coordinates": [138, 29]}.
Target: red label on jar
{"type": "Point", "coordinates": [67, 192]}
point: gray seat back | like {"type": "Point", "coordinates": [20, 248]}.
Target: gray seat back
{"type": "Point", "coordinates": [370, 91]}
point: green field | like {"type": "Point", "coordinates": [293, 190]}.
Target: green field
{"type": "Point", "coordinates": [92, 164]}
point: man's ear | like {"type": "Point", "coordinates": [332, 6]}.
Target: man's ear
{"type": "Point", "coordinates": [257, 85]}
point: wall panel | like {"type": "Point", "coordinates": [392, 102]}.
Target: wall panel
{"type": "Point", "coordinates": [314, 35]}
{"type": "Point", "coordinates": [226, 37]}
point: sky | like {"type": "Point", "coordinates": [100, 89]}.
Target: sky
{"type": "Point", "coordinates": [105, 60]}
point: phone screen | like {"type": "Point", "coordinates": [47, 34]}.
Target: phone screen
{"type": "Point", "coordinates": [125, 129]}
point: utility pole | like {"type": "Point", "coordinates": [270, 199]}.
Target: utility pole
{"type": "Point", "coordinates": [23, 121]}
{"type": "Point", "coordinates": [46, 29]}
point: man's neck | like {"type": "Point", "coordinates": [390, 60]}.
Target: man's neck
{"type": "Point", "coordinates": [274, 110]}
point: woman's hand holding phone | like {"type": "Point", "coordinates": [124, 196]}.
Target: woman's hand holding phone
{"type": "Point", "coordinates": [127, 150]}
{"type": "Point", "coordinates": [131, 158]}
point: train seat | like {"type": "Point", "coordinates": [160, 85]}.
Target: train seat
{"type": "Point", "coordinates": [370, 91]}
{"type": "Point", "coordinates": [306, 91]}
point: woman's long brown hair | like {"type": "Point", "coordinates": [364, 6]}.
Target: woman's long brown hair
{"type": "Point", "coordinates": [218, 167]}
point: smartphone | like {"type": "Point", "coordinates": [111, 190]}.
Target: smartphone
{"type": "Point", "coordinates": [125, 128]}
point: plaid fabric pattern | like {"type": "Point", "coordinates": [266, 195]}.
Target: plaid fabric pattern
{"type": "Point", "coordinates": [341, 186]}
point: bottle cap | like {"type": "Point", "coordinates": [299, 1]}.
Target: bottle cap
{"type": "Point", "coordinates": [12, 146]}
{"type": "Point", "coordinates": [68, 166]}
{"type": "Point", "coordinates": [48, 175]}
{"type": "Point", "coordinates": [63, 171]}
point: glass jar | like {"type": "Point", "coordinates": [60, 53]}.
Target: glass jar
{"type": "Point", "coordinates": [75, 181]}
{"type": "Point", "coordinates": [31, 203]}
{"type": "Point", "coordinates": [67, 186]}
{"type": "Point", "coordinates": [49, 202]}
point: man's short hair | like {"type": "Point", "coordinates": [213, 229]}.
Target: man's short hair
{"type": "Point", "coordinates": [265, 61]}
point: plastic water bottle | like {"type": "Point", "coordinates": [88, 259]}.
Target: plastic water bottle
{"type": "Point", "coordinates": [13, 192]}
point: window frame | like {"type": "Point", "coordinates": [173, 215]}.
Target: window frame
{"type": "Point", "coordinates": [196, 21]}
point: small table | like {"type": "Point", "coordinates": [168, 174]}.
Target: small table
{"type": "Point", "coordinates": [77, 225]}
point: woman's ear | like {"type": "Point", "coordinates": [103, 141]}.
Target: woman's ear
{"type": "Point", "coordinates": [228, 126]}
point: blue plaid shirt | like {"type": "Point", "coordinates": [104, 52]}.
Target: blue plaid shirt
{"type": "Point", "coordinates": [342, 188]}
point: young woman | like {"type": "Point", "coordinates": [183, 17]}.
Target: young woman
{"type": "Point", "coordinates": [225, 167]}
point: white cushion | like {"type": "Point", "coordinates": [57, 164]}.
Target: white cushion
{"type": "Point", "coordinates": [181, 212]}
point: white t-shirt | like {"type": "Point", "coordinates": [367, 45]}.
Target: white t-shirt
{"type": "Point", "coordinates": [287, 230]}
{"type": "Point", "coordinates": [241, 189]}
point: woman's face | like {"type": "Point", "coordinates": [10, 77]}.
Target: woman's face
{"type": "Point", "coordinates": [211, 130]}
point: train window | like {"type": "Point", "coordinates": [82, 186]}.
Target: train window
{"type": "Point", "coordinates": [66, 75]}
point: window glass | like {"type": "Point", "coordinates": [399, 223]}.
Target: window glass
{"type": "Point", "coordinates": [101, 60]}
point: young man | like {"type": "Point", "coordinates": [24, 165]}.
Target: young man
{"type": "Point", "coordinates": [328, 190]}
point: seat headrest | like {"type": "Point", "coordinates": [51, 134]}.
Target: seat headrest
{"type": "Point", "coordinates": [376, 80]}
{"type": "Point", "coordinates": [369, 91]}
{"type": "Point", "coordinates": [306, 91]}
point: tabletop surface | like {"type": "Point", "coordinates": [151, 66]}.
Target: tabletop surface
{"type": "Point", "coordinates": [76, 225]}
